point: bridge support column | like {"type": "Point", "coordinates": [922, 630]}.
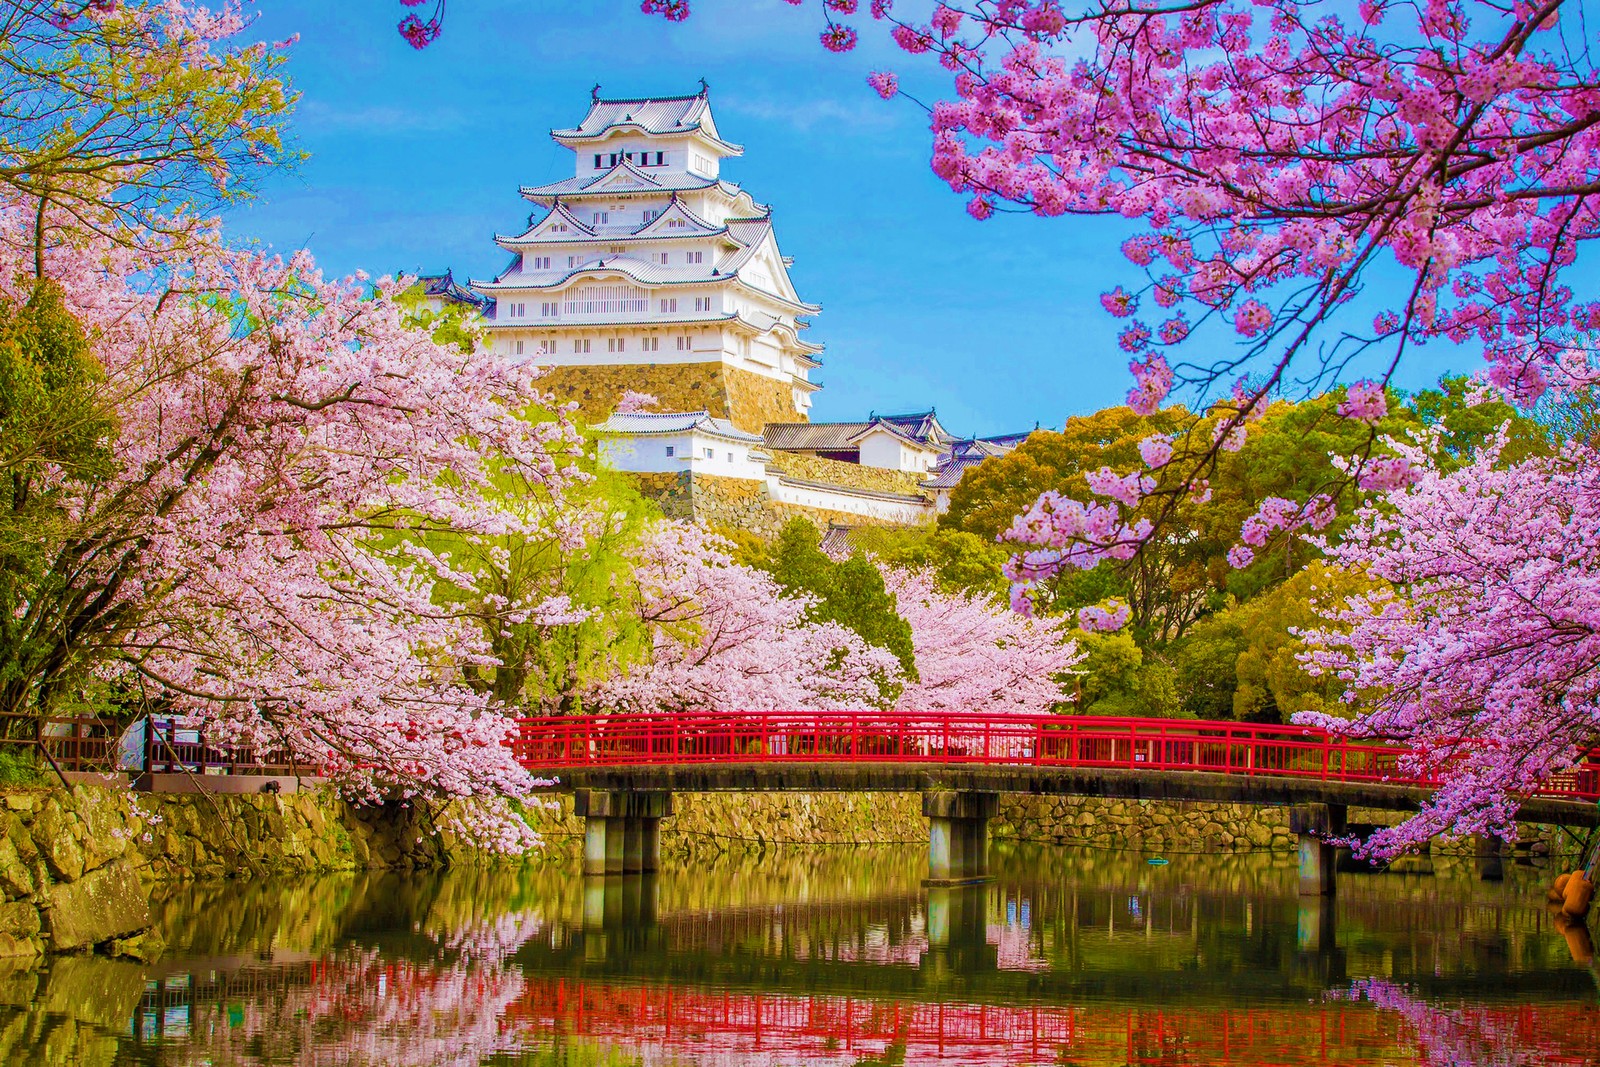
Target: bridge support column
{"type": "Point", "coordinates": [1316, 823]}
{"type": "Point", "coordinates": [958, 835]}
{"type": "Point", "coordinates": [621, 830]}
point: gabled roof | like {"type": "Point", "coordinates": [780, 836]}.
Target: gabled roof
{"type": "Point", "coordinates": [922, 426]}
{"type": "Point", "coordinates": [659, 115]}
{"type": "Point", "coordinates": [650, 424]}
{"type": "Point", "coordinates": [962, 455]}
{"type": "Point", "coordinates": [667, 181]}
{"type": "Point", "coordinates": [445, 287]}
{"type": "Point", "coordinates": [677, 209]}
{"type": "Point", "coordinates": [813, 436]}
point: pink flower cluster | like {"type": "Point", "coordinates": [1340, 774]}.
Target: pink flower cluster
{"type": "Point", "coordinates": [1156, 451]}
{"type": "Point", "coordinates": [1365, 402]}
{"type": "Point", "coordinates": [1113, 615]}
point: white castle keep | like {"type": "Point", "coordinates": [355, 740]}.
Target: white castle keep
{"type": "Point", "coordinates": [646, 271]}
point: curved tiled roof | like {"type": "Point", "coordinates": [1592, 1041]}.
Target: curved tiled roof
{"type": "Point", "coordinates": [647, 423]}
{"type": "Point", "coordinates": [658, 115]}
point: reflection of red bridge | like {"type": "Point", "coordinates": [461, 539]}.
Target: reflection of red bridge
{"type": "Point", "coordinates": [702, 1023]}
{"type": "Point", "coordinates": [755, 739]}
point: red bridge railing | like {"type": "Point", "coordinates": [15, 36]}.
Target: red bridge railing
{"type": "Point", "coordinates": [1085, 741]}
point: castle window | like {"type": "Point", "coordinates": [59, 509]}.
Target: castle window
{"type": "Point", "coordinates": [685, 344]}
{"type": "Point", "coordinates": [661, 159]}
{"type": "Point", "coordinates": [541, 262]}
{"type": "Point", "coordinates": [614, 157]}
{"type": "Point", "coordinates": [572, 261]}
{"type": "Point", "coordinates": [694, 257]}
{"type": "Point", "coordinates": [581, 346]}
{"type": "Point", "coordinates": [597, 161]}
{"type": "Point", "coordinates": [519, 348]}
{"type": "Point", "coordinates": [662, 256]}
{"type": "Point", "coordinates": [709, 453]}
{"type": "Point", "coordinates": [602, 217]}
{"type": "Point", "coordinates": [616, 344]}
{"type": "Point", "coordinates": [702, 303]}
{"type": "Point", "coordinates": [549, 309]}
{"type": "Point", "coordinates": [730, 457]}
{"type": "Point", "coordinates": [670, 451]}
{"type": "Point", "coordinates": [669, 305]}
{"type": "Point", "coordinates": [547, 348]}
{"type": "Point", "coordinates": [652, 214]}
{"type": "Point", "coordinates": [650, 344]}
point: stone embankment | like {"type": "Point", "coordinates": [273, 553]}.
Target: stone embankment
{"type": "Point", "coordinates": [76, 867]}
{"type": "Point", "coordinates": [724, 821]}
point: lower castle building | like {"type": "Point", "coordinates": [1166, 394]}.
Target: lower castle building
{"type": "Point", "coordinates": [649, 273]}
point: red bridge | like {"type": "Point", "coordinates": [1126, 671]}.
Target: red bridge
{"type": "Point", "coordinates": [625, 768]}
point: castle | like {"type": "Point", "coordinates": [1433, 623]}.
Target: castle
{"type": "Point", "coordinates": [648, 272]}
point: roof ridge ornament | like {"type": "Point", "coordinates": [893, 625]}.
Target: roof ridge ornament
{"type": "Point", "coordinates": [594, 94]}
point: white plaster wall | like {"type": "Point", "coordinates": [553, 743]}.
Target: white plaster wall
{"type": "Point", "coordinates": [643, 455]}
{"type": "Point", "coordinates": [905, 512]}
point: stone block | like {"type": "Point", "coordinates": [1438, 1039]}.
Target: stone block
{"type": "Point", "coordinates": [55, 836]}
{"type": "Point", "coordinates": [104, 904]}
{"type": "Point", "coordinates": [20, 919]}
{"type": "Point", "coordinates": [15, 879]}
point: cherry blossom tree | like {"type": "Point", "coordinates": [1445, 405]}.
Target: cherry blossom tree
{"type": "Point", "coordinates": [1480, 647]}
{"type": "Point", "coordinates": [974, 654]}
{"type": "Point", "coordinates": [251, 547]}
{"type": "Point", "coordinates": [726, 638]}
{"type": "Point", "coordinates": [142, 111]}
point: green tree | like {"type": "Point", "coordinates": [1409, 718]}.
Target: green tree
{"type": "Point", "coordinates": [960, 561]}
{"type": "Point", "coordinates": [134, 112]}
{"type": "Point", "coordinates": [849, 592]}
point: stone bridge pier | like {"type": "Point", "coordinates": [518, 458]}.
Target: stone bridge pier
{"type": "Point", "coordinates": [1317, 825]}
{"type": "Point", "coordinates": [622, 829]}
{"type": "Point", "coordinates": [958, 835]}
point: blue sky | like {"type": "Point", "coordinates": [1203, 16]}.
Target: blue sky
{"type": "Point", "coordinates": [416, 157]}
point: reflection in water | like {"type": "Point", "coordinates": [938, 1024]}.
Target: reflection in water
{"type": "Point", "coordinates": [832, 956]}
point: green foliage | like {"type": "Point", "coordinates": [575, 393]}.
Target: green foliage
{"type": "Point", "coordinates": [1122, 679]}
{"type": "Point", "coordinates": [850, 593]}
{"type": "Point", "coordinates": [55, 429]}
{"type": "Point", "coordinates": [1466, 427]}
{"type": "Point", "coordinates": [1205, 667]}
{"type": "Point", "coordinates": [961, 562]}
{"type": "Point", "coordinates": [19, 767]}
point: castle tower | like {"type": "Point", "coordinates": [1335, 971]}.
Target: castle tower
{"type": "Point", "coordinates": [647, 271]}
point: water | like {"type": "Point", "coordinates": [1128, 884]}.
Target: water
{"type": "Point", "coordinates": [833, 956]}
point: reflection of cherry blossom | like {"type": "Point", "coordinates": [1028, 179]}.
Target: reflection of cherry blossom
{"type": "Point", "coordinates": [1459, 1035]}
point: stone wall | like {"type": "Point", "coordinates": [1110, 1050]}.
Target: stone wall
{"type": "Point", "coordinates": [853, 475]}
{"type": "Point", "coordinates": [716, 821]}
{"type": "Point", "coordinates": [733, 503]}
{"type": "Point", "coordinates": [755, 400]}
{"type": "Point", "coordinates": [750, 400]}
{"type": "Point", "coordinates": [678, 387]}
{"type": "Point", "coordinates": [673, 492]}
{"type": "Point", "coordinates": [73, 865]}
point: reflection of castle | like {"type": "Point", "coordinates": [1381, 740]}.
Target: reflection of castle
{"type": "Point", "coordinates": [646, 271]}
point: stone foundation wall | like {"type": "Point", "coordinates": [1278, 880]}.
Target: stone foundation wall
{"type": "Point", "coordinates": [720, 820]}
{"type": "Point", "coordinates": [748, 399]}
{"type": "Point", "coordinates": [678, 387]}
{"type": "Point", "coordinates": [672, 493]}
{"type": "Point", "coordinates": [733, 504]}
{"type": "Point", "coordinates": [854, 475]}
{"type": "Point", "coordinates": [755, 400]}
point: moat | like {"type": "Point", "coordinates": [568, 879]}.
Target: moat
{"type": "Point", "coordinates": [833, 955]}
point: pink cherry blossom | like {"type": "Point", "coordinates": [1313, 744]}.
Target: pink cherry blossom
{"type": "Point", "coordinates": [1112, 615]}
{"type": "Point", "coordinates": [1478, 646]}
{"type": "Point", "coordinates": [1156, 451]}
{"type": "Point", "coordinates": [1365, 402]}
{"type": "Point", "coordinates": [974, 654]}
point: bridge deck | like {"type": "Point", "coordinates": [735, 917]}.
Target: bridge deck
{"type": "Point", "coordinates": [1123, 783]}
